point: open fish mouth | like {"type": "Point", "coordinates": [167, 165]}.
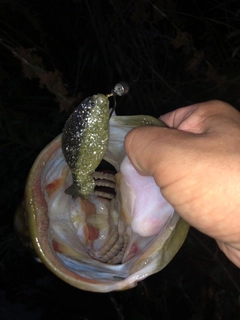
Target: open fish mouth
{"type": "Point", "coordinates": [124, 232]}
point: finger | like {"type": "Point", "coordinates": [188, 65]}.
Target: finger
{"type": "Point", "coordinates": [198, 118]}
{"type": "Point", "coordinates": [175, 118]}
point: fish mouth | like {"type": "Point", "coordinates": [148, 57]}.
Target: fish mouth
{"type": "Point", "coordinates": [106, 242]}
{"type": "Point", "coordinates": [118, 223]}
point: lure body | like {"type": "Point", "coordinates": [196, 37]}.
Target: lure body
{"type": "Point", "coordinates": [84, 142]}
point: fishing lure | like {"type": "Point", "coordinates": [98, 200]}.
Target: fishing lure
{"type": "Point", "coordinates": [85, 139]}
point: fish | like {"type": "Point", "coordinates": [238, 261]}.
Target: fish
{"type": "Point", "coordinates": [93, 220]}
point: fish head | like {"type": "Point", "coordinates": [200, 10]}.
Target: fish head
{"type": "Point", "coordinates": [124, 232]}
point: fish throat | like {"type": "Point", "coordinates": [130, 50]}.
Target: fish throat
{"type": "Point", "coordinates": [109, 234]}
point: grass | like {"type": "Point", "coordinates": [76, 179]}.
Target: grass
{"type": "Point", "coordinates": [54, 54]}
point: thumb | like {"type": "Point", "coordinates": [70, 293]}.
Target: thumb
{"type": "Point", "coordinates": [158, 152]}
{"type": "Point", "coordinates": [143, 148]}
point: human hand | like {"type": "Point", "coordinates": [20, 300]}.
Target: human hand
{"type": "Point", "coordinates": [196, 163]}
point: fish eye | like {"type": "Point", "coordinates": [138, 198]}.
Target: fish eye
{"type": "Point", "coordinates": [92, 104]}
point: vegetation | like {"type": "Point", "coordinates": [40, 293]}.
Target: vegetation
{"type": "Point", "coordinates": [54, 54]}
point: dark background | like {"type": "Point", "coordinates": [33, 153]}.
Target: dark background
{"type": "Point", "coordinates": [55, 53]}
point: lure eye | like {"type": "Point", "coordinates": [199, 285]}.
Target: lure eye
{"type": "Point", "coordinates": [93, 104]}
